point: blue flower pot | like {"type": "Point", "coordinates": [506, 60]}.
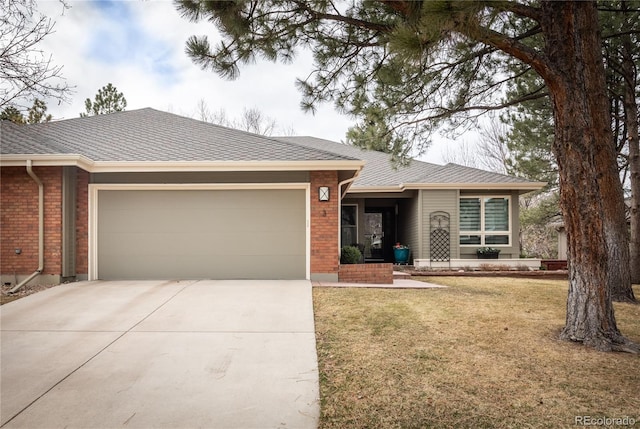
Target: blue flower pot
{"type": "Point", "coordinates": [401, 256]}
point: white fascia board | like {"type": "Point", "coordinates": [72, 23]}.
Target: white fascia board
{"type": "Point", "coordinates": [46, 160]}
{"type": "Point", "coordinates": [377, 189]}
{"type": "Point", "coordinates": [167, 166]}
{"type": "Point", "coordinates": [524, 186]}
{"type": "Point", "coordinates": [528, 186]}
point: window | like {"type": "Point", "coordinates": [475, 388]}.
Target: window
{"type": "Point", "coordinates": [349, 225]}
{"type": "Point", "coordinates": [485, 221]}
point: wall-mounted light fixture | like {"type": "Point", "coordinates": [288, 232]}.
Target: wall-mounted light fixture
{"type": "Point", "coordinates": [18, 251]}
{"type": "Point", "coordinates": [323, 193]}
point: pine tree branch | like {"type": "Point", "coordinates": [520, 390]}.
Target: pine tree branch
{"type": "Point", "coordinates": [518, 8]}
{"type": "Point", "coordinates": [510, 46]}
{"type": "Point", "coordinates": [319, 16]}
{"type": "Point", "coordinates": [621, 33]}
{"type": "Point", "coordinates": [484, 108]}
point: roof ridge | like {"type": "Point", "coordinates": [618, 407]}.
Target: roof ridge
{"type": "Point", "coordinates": [262, 136]}
{"type": "Point", "coordinates": [92, 117]}
{"type": "Point", "coordinates": [326, 152]}
{"type": "Point", "coordinates": [453, 164]}
{"type": "Point", "coordinates": [369, 151]}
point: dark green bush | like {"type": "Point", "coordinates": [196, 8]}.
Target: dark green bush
{"type": "Point", "coordinates": [350, 255]}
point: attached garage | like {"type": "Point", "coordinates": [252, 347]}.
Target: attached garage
{"type": "Point", "coordinates": [203, 232]}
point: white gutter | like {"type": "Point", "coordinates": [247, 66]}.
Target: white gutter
{"type": "Point", "coordinates": [40, 229]}
{"type": "Point", "coordinates": [173, 166]}
{"type": "Point", "coordinates": [349, 182]}
{"type": "Point", "coordinates": [522, 186]}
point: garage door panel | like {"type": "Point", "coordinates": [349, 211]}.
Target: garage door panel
{"type": "Point", "coordinates": [201, 234]}
{"type": "Point", "coordinates": [138, 244]}
{"type": "Point", "coordinates": [270, 267]}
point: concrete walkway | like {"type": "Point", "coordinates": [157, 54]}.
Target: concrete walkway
{"type": "Point", "coordinates": [152, 354]}
{"type": "Point", "coordinates": [397, 284]}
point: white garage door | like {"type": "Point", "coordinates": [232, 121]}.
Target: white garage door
{"type": "Point", "coordinates": [201, 234]}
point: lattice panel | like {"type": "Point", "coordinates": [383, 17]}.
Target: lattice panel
{"type": "Point", "coordinates": [440, 245]}
{"type": "Point", "coordinates": [440, 237]}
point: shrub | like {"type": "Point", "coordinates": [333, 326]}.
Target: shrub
{"type": "Point", "coordinates": [485, 250]}
{"type": "Point", "coordinates": [350, 255]}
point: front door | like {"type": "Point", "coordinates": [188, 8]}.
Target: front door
{"type": "Point", "coordinates": [380, 234]}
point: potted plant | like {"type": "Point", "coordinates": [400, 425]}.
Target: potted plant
{"type": "Point", "coordinates": [401, 253]}
{"type": "Point", "coordinates": [487, 253]}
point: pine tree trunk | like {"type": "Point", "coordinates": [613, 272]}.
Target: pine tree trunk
{"type": "Point", "coordinates": [631, 119]}
{"type": "Point", "coordinates": [634, 162]}
{"type": "Point", "coordinates": [591, 194]}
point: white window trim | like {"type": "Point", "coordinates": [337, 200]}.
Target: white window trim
{"type": "Point", "coordinates": [483, 233]}
{"type": "Point", "coordinates": [341, 208]}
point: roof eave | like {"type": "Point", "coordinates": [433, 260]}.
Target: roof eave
{"type": "Point", "coordinates": [354, 189]}
{"type": "Point", "coordinates": [46, 160]}
{"type": "Point", "coordinates": [176, 166]}
{"type": "Point", "coordinates": [511, 186]}
{"type": "Point", "coordinates": [523, 187]}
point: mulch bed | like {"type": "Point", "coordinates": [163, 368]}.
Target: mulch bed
{"type": "Point", "coordinates": [539, 274]}
{"type": "Point", "coordinates": [21, 293]}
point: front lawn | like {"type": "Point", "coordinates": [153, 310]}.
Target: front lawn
{"type": "Point", "coordinates": [483, 352]}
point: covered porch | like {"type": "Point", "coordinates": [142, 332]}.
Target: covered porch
{"type": "Point", "coordinates": [443, 228]}
{"type": "Point", "coordinates": [376, 222]}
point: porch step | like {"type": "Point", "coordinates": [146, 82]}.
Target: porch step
{"type": "Point", "coordinates": [401, 275]}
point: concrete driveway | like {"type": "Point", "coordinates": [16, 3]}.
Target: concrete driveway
{"type": "Point", "coordinates": [154, 354]}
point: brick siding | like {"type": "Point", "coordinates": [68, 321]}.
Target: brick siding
{"type": "Point", "coordinates": [366, 273]}
{"type": "Point", "coordinates": [324, 223]}
{"type": "Point", "coordinates": [19, 220]}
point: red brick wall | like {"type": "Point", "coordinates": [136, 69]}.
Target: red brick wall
{"type": "Point", "coordinates": [366, 273]}
{"type": "Point", "coordinates": [19, 220]}
{"type": "Point", "coordinates": [82, 223]}
{"type": "Point", "coordinates": [324, 223]}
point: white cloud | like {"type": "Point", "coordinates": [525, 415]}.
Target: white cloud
{"type": "Point", "coordinates": [138, 46]}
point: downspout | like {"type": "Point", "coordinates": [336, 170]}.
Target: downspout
{"type": "Point", "coordinates": [40, 229]}
{"type": "Point", "coordinates": [349, 181]}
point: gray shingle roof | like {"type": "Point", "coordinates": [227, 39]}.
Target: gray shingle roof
{"type": "Point", "coordinates": [379, 171]}
{"type": "Point", "coordinates": [151, 135]}
{"type": "Point", "coordinates": [454, 173]}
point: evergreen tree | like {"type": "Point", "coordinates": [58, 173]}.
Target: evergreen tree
{"type": "Point", "coordinates": [107, 100]}
{"type": "Point", "coordinates": [373, 133]}
{"type": "Point", "coordinates": [531, 134]}
{"type": "Point", "coordinates": [421, 63]}
{"type": "Point", "coordinates": [622, 59]}
{"type": "Point", "coordinates": [11, 113]}
{"type": "Point", "coordinates": [36, 114]}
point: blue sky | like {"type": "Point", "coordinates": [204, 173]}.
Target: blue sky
{"type": "Point", "coordinates": [138, 46]}
{"type": "Point", "coordinates": [119, 40]}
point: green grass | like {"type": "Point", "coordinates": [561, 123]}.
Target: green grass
{"type": "Point", "coordinates": [483, 352]}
